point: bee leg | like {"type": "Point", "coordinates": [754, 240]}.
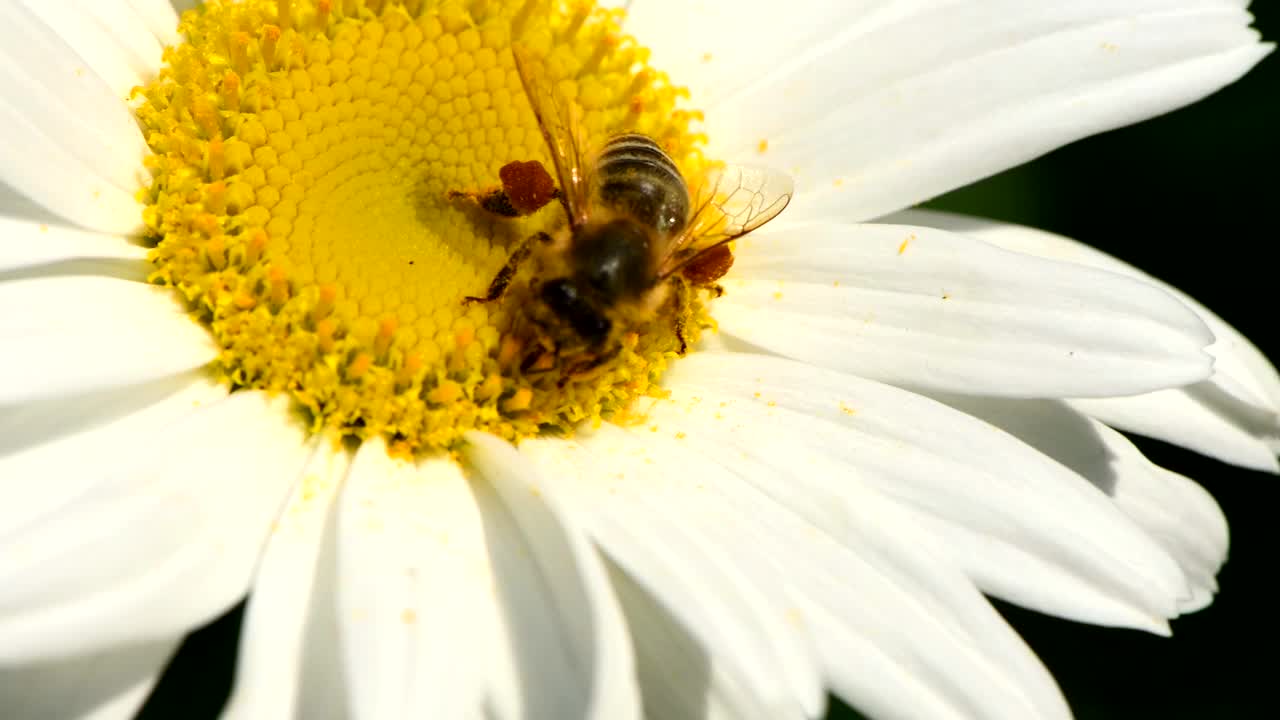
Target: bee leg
{"type": "Point", "coordinates": [503, 279]}
{"type": "Point", "coordinates": [538, 362]}
{"type": "Point", "coordinates": [681, 300]}
{"type": "Point", "coordinates": [680, 325]}
{"type": "Point", "coordinates": [526, 188]}
{"type": "Point", "coordinates": [494, 200]}
{"type": "Point", "coordinates": [581, 370]}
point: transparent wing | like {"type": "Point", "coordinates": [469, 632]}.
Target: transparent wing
{"type": "Point", "coordinates": [557, 118]}
{"type": "Point", "coordinates": [729, 202]}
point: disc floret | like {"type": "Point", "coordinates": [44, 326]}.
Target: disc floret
{"type": "Point", "coordinates": [302, 158]}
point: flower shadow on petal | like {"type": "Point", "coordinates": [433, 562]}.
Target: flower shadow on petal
{"type": "Point", "coordinates": [674, 670]}
{"type": "Point", "coordinates": [15, 204]}
{"type": "Point", "coordinates": [526, 599]}
{"type": "Point", "coordinates": [1072, 440]}
{"type": "Point", "coordinates": [86, 266]}
{"type": "Point", "coordinates": [29, 424]}
{"type": "Point", "coordinates": [110, 682]}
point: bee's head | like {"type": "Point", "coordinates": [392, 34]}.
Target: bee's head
{"type": "Point", "coordinates": [571, 304]}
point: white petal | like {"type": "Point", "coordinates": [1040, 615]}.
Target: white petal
{"type": "Point", "coordinates": [38, 168]}
{"type": "Point", "coordinates": [1182, 517]}
{"type": "Point", "coordinates": [53, 452]}
{"type": "Point", "coordinates": [761, 666]}
{"type": "Point", "coordinates": [678, 678]}
{"type": "Point", "coordinates": [718, 48]}
{"type": "Point", "coordinates": [1232, 416]}
{"type": "Point", "coordinates": [928, 308]}
{"type": "Point", "coordinates": [1197, 417]}
{"type": "Point", "coordinates": [181, 6]}
{"type": "Point", "coordinates": [1172, 510]}
{"type": "Point", "coordinates": [14, 204]}
{"type": "Point", "coordinates": [282, 643]}
{"type": "Point", "coordinates": [70, 143]}
{"type": "Point", "coordinates": [127, 28]}
{"type": "Point", "coordinates": [556, 562]}
{"type": "Point", "coordinates": [1022, 526]}
{"type": "Point", "coordinates": [27, 245]}
{"type": "Point", "coordinates": [78, 334]}
{"type": "Point", "coordinates": [899, 99]}
{"type": "Point", "coordinates": [415, 597]}
{"type": "Point", "coordinates": [107, 36]}
{"type": "Point", "coordinates": [1241, 368]}
{"type": "Point", "coordinates": [959, 660]}
{"type": "Point", "coordinates": [155, 548]}
{"type": "Point", "coordinates": [40, 78]}
{"type": "Point", "coordinates": [160, 17]}
{"type": "Point", "coordinates": [110, 685]}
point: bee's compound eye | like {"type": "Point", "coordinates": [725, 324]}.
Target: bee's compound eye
{"type": "Point", "coordinates": [563, 297]}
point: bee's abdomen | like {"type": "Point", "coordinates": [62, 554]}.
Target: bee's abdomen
{"type": "Point", "coordinates": [635, 176]}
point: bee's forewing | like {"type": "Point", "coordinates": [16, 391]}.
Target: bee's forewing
{"type": "Point", "coordinates": [729, 202]}
{"type": "Point", "coordinates": [559, 124]}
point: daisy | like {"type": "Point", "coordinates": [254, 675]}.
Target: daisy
{"type": "Point", "coordinates": [235, 362]}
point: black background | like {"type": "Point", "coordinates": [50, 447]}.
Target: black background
{"type": "Point", "coordinates": [1190, 198]}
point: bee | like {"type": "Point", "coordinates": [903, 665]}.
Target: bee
{"type": "Point", "coordinates": [636, 240]}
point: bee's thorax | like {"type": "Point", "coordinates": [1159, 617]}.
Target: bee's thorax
{"type": "Point", "coordinates": [613, 261]}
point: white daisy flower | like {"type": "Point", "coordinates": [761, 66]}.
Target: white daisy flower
{"type": "Point", "coordinates": [890, 419]}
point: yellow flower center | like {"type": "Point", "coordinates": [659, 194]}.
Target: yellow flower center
{"type": "Point", "coordinates": [304, 154]}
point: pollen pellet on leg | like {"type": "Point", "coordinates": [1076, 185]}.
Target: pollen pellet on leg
{"type": "Point", "coordinates": [303, 152]}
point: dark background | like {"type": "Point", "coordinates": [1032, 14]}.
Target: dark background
{"type": "Point", "coordinates": [1188, 197]}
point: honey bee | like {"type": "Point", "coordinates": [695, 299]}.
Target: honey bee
{"type": "Point", "coordinates": [636, 241]}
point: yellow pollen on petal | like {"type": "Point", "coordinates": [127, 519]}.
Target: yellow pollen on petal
{"type": "Point", "coordinates": [303, 155]}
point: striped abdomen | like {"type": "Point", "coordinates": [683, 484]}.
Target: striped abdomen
{"type": "Point", "coordinates": [634, 176]}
